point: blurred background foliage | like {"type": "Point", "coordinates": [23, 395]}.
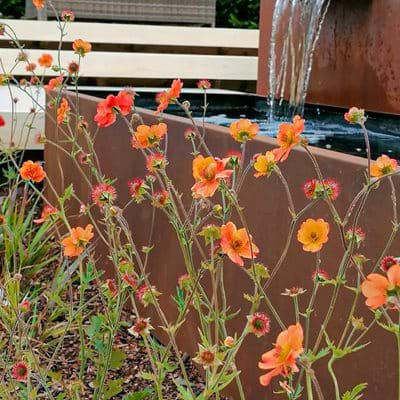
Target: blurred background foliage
{"type": "Point", "coordinates": [230, 13]}
{"type": "Point", "coordinates": [12, 8]}
{"type": "Point", "coordinates": [238, 13]}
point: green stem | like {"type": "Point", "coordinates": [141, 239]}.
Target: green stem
{"type": "Point", "coordinates": [334, 379]}
{"type": "Point", "coordinates": [310, 395]}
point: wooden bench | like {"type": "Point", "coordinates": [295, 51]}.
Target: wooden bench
{"type": "Point", "coordinates": [121, 64]}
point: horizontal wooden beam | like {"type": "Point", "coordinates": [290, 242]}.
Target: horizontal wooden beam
{"type": "Point", "coordinates": [144, 65]}
{"type": "Point", "coordinates": [47, 31]}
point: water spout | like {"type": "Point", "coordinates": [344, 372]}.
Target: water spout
{"type": "Point", "coordinates": [299, 23]}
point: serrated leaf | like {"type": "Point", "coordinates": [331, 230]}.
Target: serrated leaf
{"type": "Point", "coordinates": [117, 358]}
{"type": "Point", "coordinates": [113, 388]}
{"type": "Point", "coordinates": [355, 393]}
{"type": "Point", "coordinates": [142, 395]}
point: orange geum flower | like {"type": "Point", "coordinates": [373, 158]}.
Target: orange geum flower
{"type": "Point", "coordinates": [236, 243]}
{"type": "Point", "coordinates": [46, 212]}
{"type": "Point", "coordinates": [165, 98]}
{"type": "Point", "coordinates": [39, 3]}
{"type": "Point", "coordinates": [243, 130]}
{"type": "Point", "coordinates": [148, 136]}
{"type": "Point", "coordinates": [288, 137]}
{"type": "Point", "coordinates": [208, 173]}
{"type": "Point", "coordinates": [45, 60]}
{"type": "Point", "coordinates": [313, 234]}
{"type": "Point", "coordinates": [76, 242]}
{"type": "Point", "coordinates": [54, 83]}
{"type": "Point", "coordinates": [32, 171]}
{"type": "Point", "coordinates": [384, 165]}
{"type": "Point", "coordinates": [63, 111]}
{"type": "Point", "coordinates": [81, 47]}
{"type": "Point", "coordinates": [377, 288]}
{"type": "Point", "coordinates": [282, 359]}
{"type": "Point", "coordinates": [264, 164]}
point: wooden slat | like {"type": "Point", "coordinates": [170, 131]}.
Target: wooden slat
{"type": "Point", "coordinates": [146, 65]}
{"type": "Point", "coordinates": [135, 34]}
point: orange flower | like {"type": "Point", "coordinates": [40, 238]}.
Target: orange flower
{"type": "Point", "coordinates": [208, 173]}
{"type": "Point", "coordinates": [45, 60]}
{"type": "Point", "coordinates": [81, 47]}
{"type": "Point", "coordinates": [313, 234]}
{"type": "Point", "coordinates": [176, 88]}
{"type": "Point", "coordinates": [383, 165]}
{"type": "Point", "coordinates": [63, 111]}
{"type": "Point", "coordinates": [243, 130]}
{"type": "Point", "coordinates": [54, 83]}
{"type": "Point", "coordinates": [39, 3]}
{"type": "Point", "coordinates": [46, 212]}
{"type": "Point", "coordinates": [235, 243]}
{"type": "Point", "coordinates": [264, 164]}
{"type": "Point", "coordinates": [148, 136]}
{"type": "Point", "coordinates": [165, 98]}
{"type": "Point", "coordinates": [32, 171]}
{"type": "Point", "coordinates": [288, 137]}
{"type": "Point", "coordinates": [111, 106]}
{"type": "Point", "coordinates": [376, 288]}
{"type": "Point", "coordinates": [76, 242]}
{"type": "Point", "coordinates": [282, 359]}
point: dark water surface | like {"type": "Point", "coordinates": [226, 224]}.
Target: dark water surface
{"type": "Point", "coordinates": [325, 127]}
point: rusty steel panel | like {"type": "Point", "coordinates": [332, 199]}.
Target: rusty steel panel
{"type": "Point", "coordinates": [357, 59]}
{"type": "Point", "coordinates": [267, 214]}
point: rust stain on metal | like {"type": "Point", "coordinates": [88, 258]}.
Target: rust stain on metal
{"type": "Point", "coordinates": [357, 60]}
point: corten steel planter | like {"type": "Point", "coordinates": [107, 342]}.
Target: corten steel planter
{"type": "Point", "coordinates": [267, 214]}
{"type": "Point", "coordinates": [357, 59]}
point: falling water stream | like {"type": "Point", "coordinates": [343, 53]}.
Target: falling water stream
{"type": "Point", "coordinates": [299, 23]}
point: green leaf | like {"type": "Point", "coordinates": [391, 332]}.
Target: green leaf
{"type": "Point", "coordinates": [113, 388]}
{"type": "Point", "coordinates": [142, 395]}
{"type": "Point", "coordinates": [355, 393]}
{"type": "Point", "coordinates": [117, 359]}
{"type": "Point", "coordinates": [94, 328]}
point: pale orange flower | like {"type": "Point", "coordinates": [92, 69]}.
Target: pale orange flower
{"type": "Point", "coordinates": [39, 3]}
{"type": "Point", "coordinates": [54, 83]}
{"type": "Point", "coordinates": [63, 111]}
{"type": "Point", "coordinates": [243, 130]}
{"type": "Point", "coordinates": [313, 234]}
{"type": "Point", "coordinates": [32, 171]}
{"type": "Point", "coordinates": [282, 359]}
{"type": "Point", "coordinates": [208, 173]}
{"type": "Point", "coordinates": [148, 136]}
{"type": "Point", "coordinates": [376, 288]}
{"type": "Point", "coordinates": [288, 137]}
{"type": "Point", "coordinates": [81, 47]}
{"type": "Point", "coordinates": [45, 60]}
{"type": "Point", "coordinates": [46, 212]}
{"type": "Point", "coordinates": [76, 242]}
{"type": "Point", "coordinates": [264, 164]}
{"type": "Point", "coordinates": [235, 243]}
{"type": "Point", "coordinates": [383, 165]}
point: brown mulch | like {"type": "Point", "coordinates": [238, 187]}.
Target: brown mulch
{"type": "Point", "coordinates": [137, 360]}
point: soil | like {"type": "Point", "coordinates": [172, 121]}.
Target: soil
{"type": "Point", "coordinates": [137, 361]}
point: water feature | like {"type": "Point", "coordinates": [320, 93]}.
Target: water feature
{"type": "Point", "coordinates": [299, 23]}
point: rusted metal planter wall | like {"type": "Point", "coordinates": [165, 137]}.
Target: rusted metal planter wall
{"type": "Point", "coordinates": [357, 59]}
{"type": "Point", "coordinates": [267, 214]}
